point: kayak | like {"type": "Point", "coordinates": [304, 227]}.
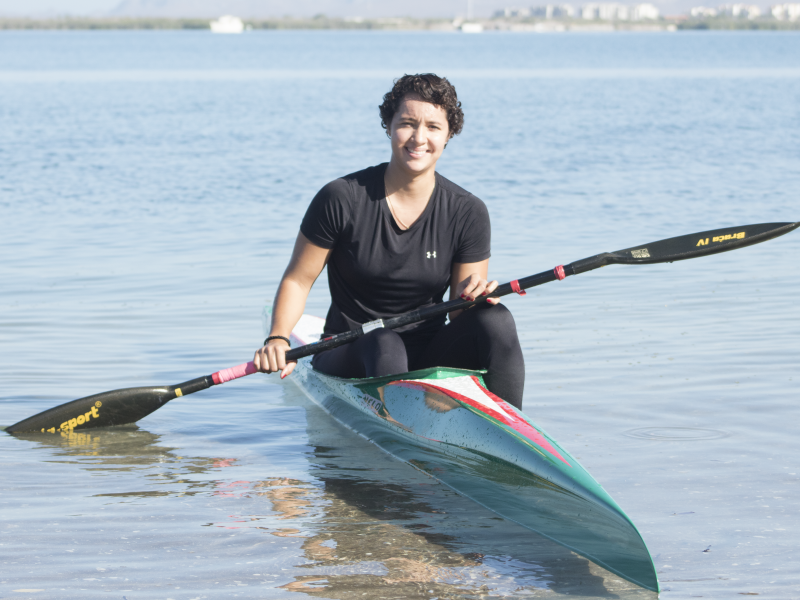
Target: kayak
{"type": "Point", "coordinates": [444, 422]}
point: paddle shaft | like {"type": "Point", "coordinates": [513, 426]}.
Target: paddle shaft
{"type": "Point", "coordinates": [420, 314]}
{"type": "Point", "coordinates": [202, 383]}
{"type": "Point", "coordinates": [129, 405]}
{"type": "Point", "coordinates": [669, 250]}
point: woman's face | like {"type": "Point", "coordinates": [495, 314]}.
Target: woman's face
{"type": "Point", "coordinates": [419, 132]}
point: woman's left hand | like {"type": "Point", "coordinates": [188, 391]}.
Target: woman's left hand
{"type": "Point", "coordinates": [475, 286]}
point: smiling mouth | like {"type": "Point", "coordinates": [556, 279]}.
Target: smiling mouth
{"type": "Point", "coordinates": [417, 153]}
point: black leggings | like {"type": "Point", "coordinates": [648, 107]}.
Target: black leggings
{"type": "Point", "coordinates": [483, 337]}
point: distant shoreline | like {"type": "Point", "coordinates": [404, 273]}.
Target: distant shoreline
{"type": "Point", "coordinates": [404, 24]}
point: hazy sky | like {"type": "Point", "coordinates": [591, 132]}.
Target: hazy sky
{"type": "Point", "coordinates": [16, 7]}
{"type": "Point", "coordinates": [263, 7]}
{"type": "Point", "coordinates": [366, 8]}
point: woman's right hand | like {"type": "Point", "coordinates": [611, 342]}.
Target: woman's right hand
{"type": "Point", "coordinates": [272, 358]}
{"type": "Point", "coordinates": [305, 266]}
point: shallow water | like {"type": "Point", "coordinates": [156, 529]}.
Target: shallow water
{"type": "Point", "coordinates": [151, 185]}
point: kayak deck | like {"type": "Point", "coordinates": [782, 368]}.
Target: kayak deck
{"type": "Point", "coordinates": [445, 422]}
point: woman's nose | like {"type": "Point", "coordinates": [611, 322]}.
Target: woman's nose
{"type": "Point", "coordinates": [420, 135]}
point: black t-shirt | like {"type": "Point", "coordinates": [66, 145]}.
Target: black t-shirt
{"type": "Point", "coordinates": [377, 270]}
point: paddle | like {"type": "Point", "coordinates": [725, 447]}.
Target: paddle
{"type": "Point", "coordinates": [129, 405]}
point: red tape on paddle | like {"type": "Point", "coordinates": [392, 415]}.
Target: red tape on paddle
{"type": "Point", "coordinates": [559, 271]}
{"type": "Point", "coordinates": [515, 287]}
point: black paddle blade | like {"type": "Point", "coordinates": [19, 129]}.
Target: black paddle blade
{"type": "Point", "coordinates": [101, 410]}
{"type": "Point", "coordinates": [689, 246]}
{"type": "Point", "coordinates": [704, 243]}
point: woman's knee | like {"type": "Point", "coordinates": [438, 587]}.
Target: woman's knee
{"type": "Point", "coordinates": [495, 318]}
{"type": "Point", "coordinates": [496, 330]}
{"type": "Point", "coordinates": [384, 353]}
{"type": "Point", "coordinates": [383, 340]}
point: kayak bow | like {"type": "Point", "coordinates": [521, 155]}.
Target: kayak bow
{"type": "Point", "coordinates": [445, 422]}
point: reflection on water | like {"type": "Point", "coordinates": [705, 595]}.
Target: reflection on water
{"type": "Point", "coordinates": [130, 448]}
{"type": "Point", "coordinates": [371, 525]}
{"type": "Point", "coordinates": [427, 538]}
{"type": "Point", "coordinates": [357, 523]}
{"type": "Point", "coordinates": [127, 446]}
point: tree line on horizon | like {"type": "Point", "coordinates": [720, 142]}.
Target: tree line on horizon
{"type": "Point", "coordinates": [319, 22]}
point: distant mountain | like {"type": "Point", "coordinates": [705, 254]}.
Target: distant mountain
{"type": "Point", "coordinates": [303, 8]}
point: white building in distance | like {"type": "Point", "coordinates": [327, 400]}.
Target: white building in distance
{"type": "Point", "coordinates": [642, 12]}
{"type": "Point", "coordinates": [618, 12]}
{"type": "Point", "coordinates": [703, 11]}
{"type": "Point", "coordinates": [513, 12]}
{"type": "Point", "coordinates": [605, 11]}
{"type": "Point", "coordinates": [554, 11]}
{"type": "Point", "coordinates": [744, 11]}
{"type": "Point", "coordinates": [786, 12]}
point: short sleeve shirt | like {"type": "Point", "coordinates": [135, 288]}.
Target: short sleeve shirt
{"type": "Point", "coordinates": [377, 270]}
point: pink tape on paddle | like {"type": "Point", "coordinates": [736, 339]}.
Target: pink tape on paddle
{"type": "Point", "coordinates": [515, 287]}
{"type": "Point", "coordinates": [559, 271]}
{"type": "Point", "coordinates": [233, 373]}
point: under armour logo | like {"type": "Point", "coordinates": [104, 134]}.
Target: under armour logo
{"type": "Point", "coordinates": [432, 254]}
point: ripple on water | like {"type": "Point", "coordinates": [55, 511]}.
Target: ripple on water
{"type": "Point", "coordinates": [676, 434]}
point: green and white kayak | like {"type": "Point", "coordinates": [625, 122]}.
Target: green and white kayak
{"type": "Point", "coordinates": [445, 422]}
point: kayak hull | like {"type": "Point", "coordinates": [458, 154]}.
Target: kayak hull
{"type": "Point", "coordinates": [446, 423]}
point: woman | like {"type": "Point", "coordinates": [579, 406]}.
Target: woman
{"type": "Point", "coordinates": [394, 238]}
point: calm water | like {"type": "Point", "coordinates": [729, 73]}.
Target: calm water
{"type": "Point", "coordinates": [151, 185]}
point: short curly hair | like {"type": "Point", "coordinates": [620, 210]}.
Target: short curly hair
{"type": "Point", "coordinates": [430, 88]}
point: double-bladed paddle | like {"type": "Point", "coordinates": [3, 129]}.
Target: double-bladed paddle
{"type": "Point", "coordinates": [129, 405]}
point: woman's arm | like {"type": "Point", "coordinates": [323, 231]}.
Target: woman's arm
{"type": "Point", "coordinates": [468, 281]}
{"type": "Point", "coordinates": [304, 267]}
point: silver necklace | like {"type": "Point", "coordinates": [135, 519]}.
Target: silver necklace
{"type": "Point", "coordinates": [394, 214]}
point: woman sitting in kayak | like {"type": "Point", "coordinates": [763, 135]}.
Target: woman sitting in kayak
{"type": "Point", "coordinates": [395, 237]}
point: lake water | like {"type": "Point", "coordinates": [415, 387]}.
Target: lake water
{"type": "Point", "coordinates": [151, 186]}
